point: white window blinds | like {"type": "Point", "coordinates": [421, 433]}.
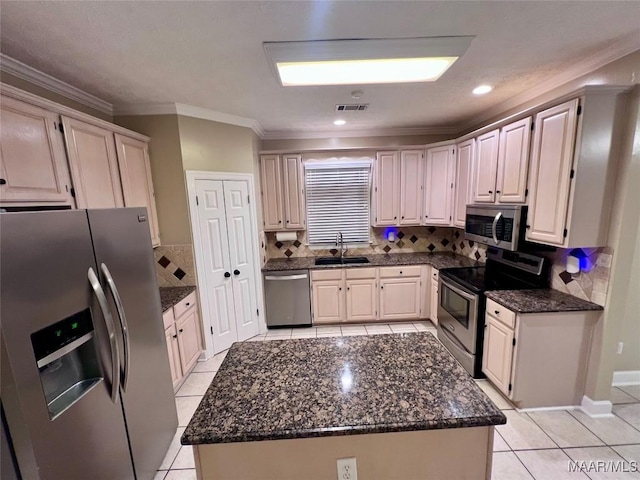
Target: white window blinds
{"type": "Point", "coordinates": [337, 201]}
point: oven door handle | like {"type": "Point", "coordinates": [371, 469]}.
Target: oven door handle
{"type": "Point", "coordinates": [462, 293]}
{"type": "Point", "coordinates": [494, 225]}
{"type": "Point", "coordinates": [454, 340]}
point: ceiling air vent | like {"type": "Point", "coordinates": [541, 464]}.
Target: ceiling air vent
{"type": "Point", "coordinates": [353, 107]}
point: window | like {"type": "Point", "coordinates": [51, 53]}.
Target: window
{"type": "Point", "coordinates": [337, 201]}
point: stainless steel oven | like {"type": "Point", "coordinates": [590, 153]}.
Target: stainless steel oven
{"type": "Point", "coordinates": [458, 321]}
{"type": "Point", "coordinates": [495, 225]}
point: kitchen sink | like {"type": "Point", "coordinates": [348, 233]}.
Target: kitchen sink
{"type": "Point", "coordinates": [341, 261]}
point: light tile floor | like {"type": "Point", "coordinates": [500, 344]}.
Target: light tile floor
{"type": "Point", "coordinates": [531, 446]}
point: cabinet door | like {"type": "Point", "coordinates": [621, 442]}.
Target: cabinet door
{"type": "Point", "coordinates": [171, 337]}
{"type": "Point", "coordinates": [387, 194]}
{"type": "Point", "coordinates": [94, 165]}
{"type": "Point", "coordinates": [328, 301]}
{"type": "Point", "coordinates": [497, 353]}
{"type": "Point", "coordinates": [485, 166]}
{"type": "Point", "coordinates": [463, 196]}
{"type": "Point", "coordinates": [550, 179]}
{"type": "Point", "coordinates": [33, 164]}
{"type": "Point", "coordinates": [435, 301]}
{"type": "Point", "coordinates": [513, 162]}
{"type": "Point", "coordinates": [411, 187]}
{"type": "Point", "coordinates": [137, 185]}
{"type": "Point", "coordinates": [399, 298]}
{"type": "Point", "coordinates": [361, 299]}
{"type": "Point", "coordinates": [294, 214]}
{"type": "Point", "coordinates": [438, 186]}
{"type": "Point", "coordinates": [271, 179]}
{"type": "Point", "coordinates": [189, 339]}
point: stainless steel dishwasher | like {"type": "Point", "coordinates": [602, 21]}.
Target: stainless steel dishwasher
{"type": "Point", "coordinates": [287, 297]}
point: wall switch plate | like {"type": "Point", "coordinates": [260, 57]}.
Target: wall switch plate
{"type": "Point", "coordinates": [620, 347]}
{"type": "Point", "coordinates": [347, 469]}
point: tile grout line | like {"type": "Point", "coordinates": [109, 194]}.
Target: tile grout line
{"type": "Point", "coordinates": [585, 426]}
{"type": "Point", "coordinates": [543, 430]}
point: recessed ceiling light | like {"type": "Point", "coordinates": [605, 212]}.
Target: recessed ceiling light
{"type": "Point", "coordinates": [359, 62]}
{"type": "Point", "coordinates": [482, 89]}
{"type": "Point", "coordinates": [339, 122]}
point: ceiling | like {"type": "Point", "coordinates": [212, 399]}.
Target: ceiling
{"type": "Point", "coordinates": [210, 54]}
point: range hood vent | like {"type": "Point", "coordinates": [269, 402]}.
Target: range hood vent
{"type": "Point", "coordinates": [352, 107]}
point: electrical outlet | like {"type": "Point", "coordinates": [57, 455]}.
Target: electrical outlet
{"type": "Point", "coordinates": [620, 347]}
{"type": "Point", "coordinates": [347, 469]}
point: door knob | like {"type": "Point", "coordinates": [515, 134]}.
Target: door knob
{"type": "Point", "coordinates": [227, 274]}
{"type": "Point", "coordinates": [3, 181]}
{"type": "Point", "coordinates": [236, 272]}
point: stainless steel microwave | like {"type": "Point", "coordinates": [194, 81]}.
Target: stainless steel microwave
{"type": "Point", "coordinates": [495, 225]}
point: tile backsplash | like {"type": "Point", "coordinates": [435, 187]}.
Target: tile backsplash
{"type": "Point", "coordinates": [592, 282]}
{"type": "Point", "coordinates": [175, 266]}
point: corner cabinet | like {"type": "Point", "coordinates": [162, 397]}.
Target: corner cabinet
{"type": "Point", "coordinates": [282, 184]}
{"type": "Point", "coordinates": [438, 185]}
{"type": "Point", "coordinates": [464, 168]}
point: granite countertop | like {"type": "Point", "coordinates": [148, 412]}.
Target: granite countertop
{"type": "Point", "coordinates": [540, 301]}
{"type": "Point", "coordinates": [169, 296]}
{"type": "Point", "coordinates": [438, 260]}
{"type": "Point", "coordinates": [315, 387]}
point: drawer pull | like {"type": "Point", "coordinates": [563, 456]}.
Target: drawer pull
{"type": "Point", "coordinates": [187, 304]}
{"type": "Point", "coordinates": [181, 330]}
{"type": "Point", "coordinates": [497, 312]}
{"type": "Point", "coordinates": [175, 336]}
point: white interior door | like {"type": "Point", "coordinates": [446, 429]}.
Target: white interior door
{"type": "Point", "coordinates": [218, 288]}
{"type": "Point", "coordinates": [236, 195]}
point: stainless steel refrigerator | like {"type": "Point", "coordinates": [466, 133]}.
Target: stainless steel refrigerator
{"type": "Point", "coordinates": [86, 386]}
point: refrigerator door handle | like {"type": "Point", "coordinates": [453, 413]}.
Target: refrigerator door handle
{"type": "Point", "coordinates": [123, 322]}
{"type": "Point", "coordinates": [108, 320]}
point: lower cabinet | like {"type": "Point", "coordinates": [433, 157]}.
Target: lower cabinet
{"type": "Point", "coordinates": [328, 301]}
{"type": "Point", "coordinates": [538, 359]}
{"type": "Point", "coordinates": [361, 302]}
{"type": "Point", "coordinates": [400, 298]}
{"type": "Point", "coordinates": [183, 336]}
{"type": "Point", "coordinates": [434, 297]}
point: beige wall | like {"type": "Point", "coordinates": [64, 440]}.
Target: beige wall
{"type": "Point", "coordinates": [49, 95]}
{"type": "Point", "coordinates": [352, 142]}
{"type": "Point", "coordinates": [167, 172]}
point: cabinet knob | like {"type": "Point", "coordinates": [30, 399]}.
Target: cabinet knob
{"type": "Point", "coordinates": [181, 330]}
{"type": "Point", "coordinates": [400, 272]}
{"type": "Point", "coordinates": [497, 312]}
{"type": "Point", "coordinates": [3, 181]}
{"type": "Point", "coordinates": [490, 191]}
{"type": "Point", "coordinates": [236, 272]}
{"type": "Point", "coordinates": [279, 221]}
{"type": "Point", "coordinates": [175, 336]}
{"type": "Point", "coordinates": [426, 216]}
{"type": "Point", "coordinates": [381, 287]}
{"type": "Point", "coordinates": [403, 217]}
{"type": "Point", "coordinates": [187, 304]}
{"type": "Point", "coordinates": [395, 218]}
{"type": "Point", "coordinates": [287, 221]}
{"type": "Point", "coordinates": [227, 274]}
{"type": "Point", "coordinates": [340, 288]}
{"type": "Point", "coordinates": [348, 288]}
{"type": "Point", "coordinates": [528, 226]}
{"type": "Point", "coordinates": [497, 191]}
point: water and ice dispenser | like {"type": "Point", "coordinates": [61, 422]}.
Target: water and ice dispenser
{"type": "Point", "coordinates": [67, 360]}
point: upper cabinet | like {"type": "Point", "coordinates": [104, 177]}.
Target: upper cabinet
{"type": "Point", "coordinates": [485, 167]}
{"type": "Point", "coordinates": [513, 159]}
{"type": "Point", "coordinates": [411, 162]}
{"type": "Point", "coordinates": [463, 195]}
{"type": "Point", "coordinates": [33, 165]}
{"type": "Point", "coordinates": [438, 185]}
{"type": "Point", "coordinates": [94, 165]}
{"type": "Point", "coordinates": [282, 183]}
{"type": "Point", "coordinates": [387, 189]}
{"type": "Point", "coordinates": [137, 186]}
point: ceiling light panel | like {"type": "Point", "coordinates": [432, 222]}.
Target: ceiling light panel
{"type": "Point", "coordinates": [353, 62]}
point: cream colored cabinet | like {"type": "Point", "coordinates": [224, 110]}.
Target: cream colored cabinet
{"type": "Point", "coordinates": [411, 177]}
{"type": "Point", "coordinates": [513, 162]}
{"type": "Point", "coordinates": [400, 293]}
{"type": "Point", "coordinates": [362, 294]}
{"type": "Point", "coordinates": [435, 297]}
{"type": "Point", "coordinates": [137, 185]}
{"type": "Point", "coordinates": [33, 165]}
{"type": "Point", "coordinates": [183, 336]}
{"type": "Point", "coordinates": [438, 185]}
{"type": "Point", "coordinates": [465, 152]}
{"type": "Point", "coordinates": [511, 357]}
{"type": "Point", "coordinates": [485, 167]}
{"type": "Point", "coordinates": [282, 183]}
{"type": "Point", "coordinates": [328, 301]}
{"type": "Point", "coordinates": [387, 189]}
{"type": "Point", "coordinates": [425, 281]}
{"type": "Point", "coordinates": [94, 165]}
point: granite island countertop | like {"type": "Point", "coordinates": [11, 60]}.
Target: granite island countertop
{"type": "Point", "coordinates": [316, 387]}
{"type": "Point", "coordinates": [169, 296]}
{"type": "Point", "coordinates": [438, 260]}
{"type": "Point", "coordinates": [540, 301]}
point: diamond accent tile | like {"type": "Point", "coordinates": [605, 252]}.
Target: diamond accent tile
{"type": "Point", "coordinates": [386, 249]}
{"type": "Point", "coordinates": [164, 261]}
{"type": "Point", "coordinates": [179, 273]}
{"type": "Point", "coordinates": [288, 253]}
{"type": "Point", "coordinates": [431, 229]}
{"type": "Point", "coordinates": [477, 255]}
{"type": "Point", "coordinates": [444, 242]}
{"type": "Point", "coordinates": [471, 243]}
{"type": "Point", "coordinates": [278, 244]}
{"type": "Point", "coordinates": [462, 245]}
{"type": "Point", "coordinates": [297, 243]}
{"type": "Point", "coordinates": [566, 277]}
{"type": "Point", "coordinates": [413, 239]}
{"type": "Point", "coordinates": [457, 234]}
{"type": "Point", "coordinates": [400, 244]}
{"type": "Point", "coordinates": [333, 251]}
{"type": "Point", "coordinates": [453, 247]}
{"type": "Point", "coordinates": [431, 247]}
{"type": "Point", "coordinates": [400, 235]}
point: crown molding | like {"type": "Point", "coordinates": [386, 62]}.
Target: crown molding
{"type": "Point", "coordinates": [375, 132]}
{"type": "Point", "coordinates": [25, 72]}
{"type": "Point", "coordinates": [145, 109]}
{"type": "Point", "coordinates": [611, 53]}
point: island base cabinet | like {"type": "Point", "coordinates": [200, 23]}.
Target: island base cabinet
{"type": "Point", "coordinates": [444, 453]}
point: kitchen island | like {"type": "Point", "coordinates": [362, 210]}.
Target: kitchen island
{"type": "Point", "coordinates": [400, 404]}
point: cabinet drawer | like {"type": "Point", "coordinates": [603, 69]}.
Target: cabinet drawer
{"type": "Point", "coordinates": [405, 271]}
{"type": "Point", "coordinates": [501, 313]}
{"type": "Point", "coordinates": [330, 274]}
{"type": "Point", "coordinates": [184, 304]}
{"type": "Point", "coordinates": [354, 273]}
{"type": "Point", "coordinates": [435, 274]}
{"type": "Point", "coordinates": [168, 318]}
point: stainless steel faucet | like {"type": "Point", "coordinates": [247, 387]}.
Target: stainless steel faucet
{"type": "Point", "coordinates": [340, 242]}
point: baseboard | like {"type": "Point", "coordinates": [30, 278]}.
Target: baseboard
{"type": "Point", "coordinates": [546, 409]}
{"type": "Point", "coordinates": [596, 408]}
{"type": "Point", "coordinates": [626, 377]}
